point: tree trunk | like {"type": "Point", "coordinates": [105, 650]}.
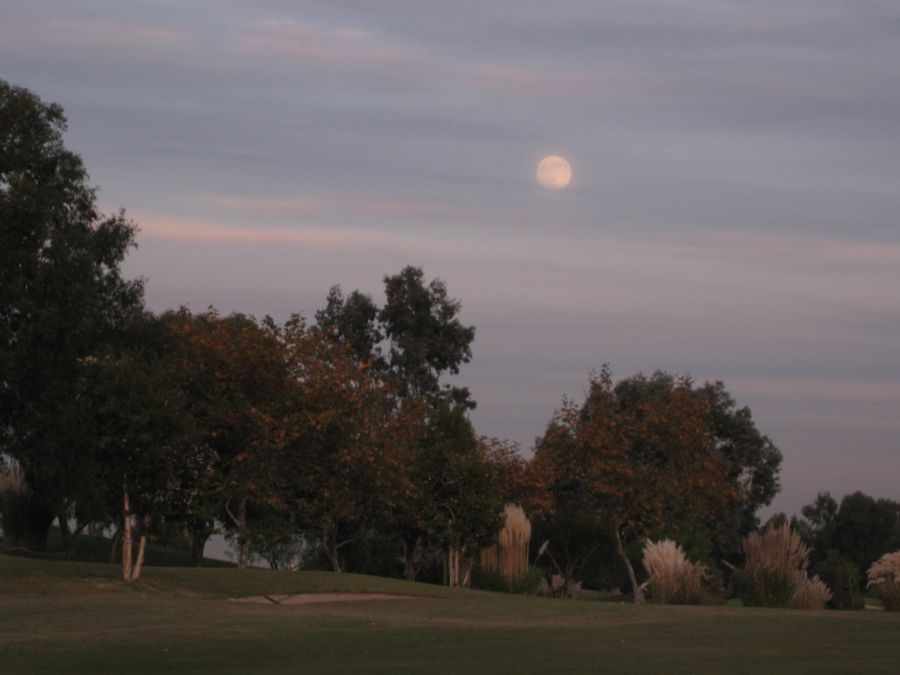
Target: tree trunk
{"type": "Point", "coordinates": [453, 566]}
{"type": "Point", "coordinates": [114, 549]}
{"type": "Point", "coordinates": [240, 523]}
{"type": "Point", "coordinates": [465, 573]}
{"type": "Point", "coordinates": [64, 534]}
{"type": "Point", "coordinates": [126, 536]}
{"type": "Point", "coordinates": [636, 592]}
{"type": "Point", "coordinates": [331, 550]}
{"type": "Point", "coordinates": [409, 558]}
{"type": "Point", "coordinates": [199, 537]}
{"type": "Point", "coordinates": [142, 547]}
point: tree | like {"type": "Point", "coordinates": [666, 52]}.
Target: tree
{"type": "Point", "coordinates": [754, 460]}
{"type": "Point", "coordinates": [352, 322]}
{"type": "Point", "coordinates": [462, 509]}
{"type": "Point", "coordinates": [146, 448]}
{"type": "Point", "coordinates": [426, 338]}
{"type": "Point", "coordinates": [242, 395]}
{"type": "Point", "coordinates": [343, 467]}
{"type": "Point", "coordinates": [62, 299]}
{"type": "Point", "coordinates": [861, 528]}
{"type": "Point", "coordinates": [636, 464]}
{"type": "Point", "coordinates": [866, 528]}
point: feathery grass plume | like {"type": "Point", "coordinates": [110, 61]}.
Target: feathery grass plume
{"type": "Point", "coordinates": [884, 574]}
{"type": "Point", "coordinates": [775, 573]}
{"type": "Point", "coordinates": [673, 578]}
{"type": "Point", "coordinates": [509, 556]}
{"type": "Point", "coordinates": [558, 588]}
{"type": "Point", "coordinates": [809, 592]}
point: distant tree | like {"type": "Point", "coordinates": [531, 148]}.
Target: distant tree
{"type": "Point", "coordinates": [62, 300]}
{"type": "Point", "coordinates": [415, 338]}
{"type": "Point", "coordinates": [751, 458]}
{"type": "Point", "coordinates": [817, 524]}
{"type": "Point", "coordinates": [243, 397]}
{"type": "Point", "coordinates": [463, 508]}
{"type": "Point", "coordinates": [147, 451]}
{"type": "Point", "coordinates": [353, 322]}
{"type": "Point", "coordinates": [866, 528]}
{"type": "Point", "coordinates": [343, 462]}
{"type": "Point", "coordinates": [637, 464]}
{"type": "Point", "coordinates": [425, 336]}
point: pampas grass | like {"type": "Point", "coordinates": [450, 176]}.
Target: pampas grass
{"type": "Point", "coordinates": [509, 556]}
{"type": "Point", "coordinates": [673, 578]}
{"type": "Point", "coordinates": [809, 593]}
{"type": "Point", "coordinates": [557, 587]}
{"type": "Point", "coordinates": [884, 574]}
{"type": "Point", "coordinates": [775, 573]}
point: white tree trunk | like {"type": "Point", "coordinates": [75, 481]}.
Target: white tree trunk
{"type": "Point", "coordinates": [126, 536]}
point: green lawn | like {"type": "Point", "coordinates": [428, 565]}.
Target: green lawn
{"type": "Point", "coordinates": [58, 616]}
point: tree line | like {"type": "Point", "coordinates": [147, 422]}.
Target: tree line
{"type": "Point", "coordinates": [337, 437]}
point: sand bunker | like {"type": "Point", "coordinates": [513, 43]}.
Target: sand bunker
{"type": "Point", "coordinates": [312, 598]}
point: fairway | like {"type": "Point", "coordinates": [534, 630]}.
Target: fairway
{"type": "Point", "coordinates": [76, 617]}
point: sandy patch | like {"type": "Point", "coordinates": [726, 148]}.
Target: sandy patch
{"type": "Point", "coordinates": [312, 598]}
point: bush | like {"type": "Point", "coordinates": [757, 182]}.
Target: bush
{"type": "Point", "coordinates": [558, 587]}
{"type": "Point", "coordinates": [493, 580]}
{"type": "Point", "coordinates": [673, 578]}
{"type": "Point", "coordinates": [844, 579]}
{"type": "Point", "coordinates": [809, 593]}
{"type": "Point", "coordinates": [775, 575]}
{"type": "Point", "coordinates": [884, 574]}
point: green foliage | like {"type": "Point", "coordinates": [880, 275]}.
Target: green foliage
{"type": "Point", "coordinates": [352, 321]}
{"type": "Point", "coordinates": [637, 457]}
{"type": "Point", "coordinates": [62, 300]}
{"type": "Point", "coordinates": [860, 528]}
{"type": "Point", "coordinates": [768, 588]}
{"type": "Point", "coordinates": [426, 339]}
{"type": "Point", "coordinates": [866, 528]}
{"type": "Point", "coordinates": [844, 579]}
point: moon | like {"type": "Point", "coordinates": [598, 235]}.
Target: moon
{"type": "Point", "coordinates": [554, 172]}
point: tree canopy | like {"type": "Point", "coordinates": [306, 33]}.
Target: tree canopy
{"type": "Point", "coordinates": [62, 299]}
{"type": "Point", "coordinates": [640, 457]}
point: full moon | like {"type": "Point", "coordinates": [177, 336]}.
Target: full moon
{"type": "Point", "coordinates": [554, 172]}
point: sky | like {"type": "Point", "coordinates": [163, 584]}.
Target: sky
{"type": "Point", "coordinates": [734, 211]}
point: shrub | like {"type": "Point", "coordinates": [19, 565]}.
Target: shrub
{"type": "Point", "coordinates": [673, 578]}
{"type": "Point", "coordinates": [775, 575]}
{"type": "Point", "coordinates": [509, 556]}
{"type": "Point", "coordinates": [809, 593]}
{"type": "Point", "coordinates": [884, 574]}
{"type": "Point", "coordinates": [844, 579]}
{"type": "Point", "coordinates": [558, 587]}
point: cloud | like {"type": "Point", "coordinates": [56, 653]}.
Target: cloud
{"type": "Point", "coordinates": [307, 44]}
{"type": "Point", "coordinates": [349, 206]}
{"type": "Point", "coordinates": [157, 226]}
{"type": "Point", "coordinates": [34, 34]}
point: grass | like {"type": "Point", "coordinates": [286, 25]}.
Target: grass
{"type": "Point", "coordinates": [94, 548]}
{"type": "Point", "coordinates": [58, 616]}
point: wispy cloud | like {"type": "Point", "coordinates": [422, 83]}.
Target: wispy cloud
{"type": "Point", "coordinates": [157, 226]}
{"type": "Point", "coordinates": [31, 33]}
{"type": "Point", "coordinates": [348, 206]}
